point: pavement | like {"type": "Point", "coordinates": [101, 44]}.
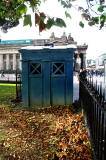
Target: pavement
{"type": "Point", "coordinates": [75, 88]}
{"type": "Point", "coordinates": [9, 77]}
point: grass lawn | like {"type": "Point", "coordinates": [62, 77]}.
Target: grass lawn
{"type": "Point", "coordinates": [7, 92]}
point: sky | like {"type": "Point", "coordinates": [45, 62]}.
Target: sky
{"type": "Point", "coordinates": [92, 36]}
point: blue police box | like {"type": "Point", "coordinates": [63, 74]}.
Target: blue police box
{"type": "Point", "coordinates": [47, 75]}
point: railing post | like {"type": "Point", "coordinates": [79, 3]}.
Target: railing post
{"type": "Point", "coordinates": [104, 133]}
{"type": "Point", "coordinates": [16, 86]}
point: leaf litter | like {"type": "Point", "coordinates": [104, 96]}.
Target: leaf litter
{"type": "Point", "coordinates": [54, 133]}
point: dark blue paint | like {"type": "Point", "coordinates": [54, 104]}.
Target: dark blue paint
{"type": "Point", "coordinates": [58, 90]}
{"type": "Point", "coordinates": [49, 44]}
{"type": "Point", "coordinates": [47, 76]}
{"type": "Point", "coordinates": [35, 91]}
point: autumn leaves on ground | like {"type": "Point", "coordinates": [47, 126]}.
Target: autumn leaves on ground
{"type": "Point", "coordinates": [54, 133]}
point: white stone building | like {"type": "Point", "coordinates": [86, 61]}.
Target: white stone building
{"type": "Point", "coordinates": [10, 58]}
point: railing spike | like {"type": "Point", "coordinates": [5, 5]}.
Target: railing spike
{"type": "Point", "coordinates": [104, 94]}
{"type": "Point", "coordinates": [101, 92]}
{"type": "Point", "coordinates": [96, 84]}
{"type": "Point", "coordinates": [101, 88]}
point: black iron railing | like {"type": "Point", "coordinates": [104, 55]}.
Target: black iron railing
{"type": "Point", "coordinates": [18, 86]}
{"type": "Point", "coordinates": [92, 99]}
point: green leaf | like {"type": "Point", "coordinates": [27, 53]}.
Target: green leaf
{"type": "Point", "coordinates": [20, 1]}
{"type": "Point", "coordinates": [32, 5]}
{"type": "Point", "coordinates": [81, 24]}
{"type": "Point", "coordinates": [101, 8]}
{"type": "Point", "coordinates": [66, 5]}
{"type": "Point", "coordinates": [42, 19]}
{"type": "Point", "coordinates": [69, 5]}
{"type": "Point", "coordinates": [104, 14]}
{"type": "Point", "coordinates": [102, 20]}
{"type": "Point", "coordinates": [67, 14]}
{"type": "Point", "coordinates": [86, 16]}
{"type": "Point", "coordinates": [3, 7]}
{"type": "Point", "coordinates": [103, 17]}
{"type": "Point", "coordinates": [96, 20]}
{"type": "Point", "coordinates": [22, 9]}
{"type": "Point", "coordinates": [50, 23]}
{"type": "Point", "coordinates": [63, 3]}
{"type": "Point", "coordinates": [60, 22]}
{"type": "Point", "coordinates": [102, 24]}
{"type": "Point", "coordinates": [27, 20]}
{"type": "Point", "coordinates": [80, 8]}
{"type": "Point", "coordinates": [91, 23]}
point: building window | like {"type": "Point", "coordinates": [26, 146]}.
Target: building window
{"type": "Point", "coordinates": [17, 56]}
{"type": "Point", "coordinates": [58, 68]}
{"type": "Point", "coordinates": [11, 65]}
{"type": "Point", "coordinates": [4, 56]}
{"type": "Point", "coordinates": [4, 65]}
{"type": "Point", "coordinates": [4, 61]}
{"type": "Point", "coordinates": [35, 68]}
{"type": "Point", "coordinates": [11, 56]}
{"type": "Point", "coordinates": [18, 64]}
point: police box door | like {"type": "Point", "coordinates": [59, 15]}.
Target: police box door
{"type": "Point", "coordinates": [58, 83]}
{"type": "Point", "coordinates": [39, 83]}
{"type": "Point", "coordinates": [35, 83]}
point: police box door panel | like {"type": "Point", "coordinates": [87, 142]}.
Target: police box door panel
{"type": "Point", "coordinates": [35, 84]}
{"type": "Point", "coordinates": [58, 81]}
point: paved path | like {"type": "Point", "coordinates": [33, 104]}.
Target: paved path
{"type": "Point", "coordinates": [9, 77]}
{"type": "Point", "coordinates": [75, 88]}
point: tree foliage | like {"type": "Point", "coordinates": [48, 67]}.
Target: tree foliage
{"type": "Point", "coordinates": [11, 11]}
{"type": "Point", "coordinates": [95, 13]}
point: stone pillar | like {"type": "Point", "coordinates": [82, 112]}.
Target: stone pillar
{"type": "Point", "coordinates": [84, 61]}
{"type": "Point", "coordinates": [77, 63]}
{"type": "Point", "coordinates": [1, 61]}
{"type": "Point", "coordinates": [7, 62]}
{"type": "Point", "coordinates": [81, 57]}
{"type": "Point", "coordinates": [14, 61]}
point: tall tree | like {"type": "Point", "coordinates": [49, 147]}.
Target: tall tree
{"type": "Point", "coordinates": [11, 11]}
